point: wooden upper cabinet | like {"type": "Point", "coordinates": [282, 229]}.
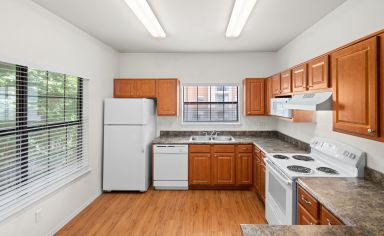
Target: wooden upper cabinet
{"type": "Point", "coordinates": [145, 88]}
{"type": "Point", "coordinates": [254, 92]}
{"type": "Point", "coordinates": [381, 89]}
{"type": "Point", "coordinates": [276, 89]}
{"type": "Point", "coordinates": [135, 88]}
{"type": "Point", "coordinates": [318, 73]}
{"type": "Point", "coordinates": [199, 169]}
{"type": "Point", "coordinates": [354, 72]}
{"type": "Point", "coordinates": [124, 88]}
{"type": "Point", "coordinates": [224, 168]}
{"type": "Point", "coordinates": [286, 82]}
{"type": "Point", "coordinates": [244, 168]}
{"type": "Point", "coordinates": [299, 78]}
{"type": "Point", "coordinates": [268, 95]}
{"type": "Point", "coordinates": [167, 97]}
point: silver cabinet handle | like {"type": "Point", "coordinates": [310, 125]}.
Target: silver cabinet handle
{"type": "Point", "coordinates": [328, 222]}
{"type": "Point", "coordinates": [306, 201]}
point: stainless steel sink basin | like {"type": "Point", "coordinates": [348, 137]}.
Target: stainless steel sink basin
{"type": "Point", "coordinates": [200, 138]}
{"type": "Point", "coordinates": [204, 138]}
{"type": "Point", "coordinates": [223, 138]}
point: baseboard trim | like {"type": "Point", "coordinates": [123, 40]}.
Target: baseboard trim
{"type": "Point", "coordinates": [71, 216]}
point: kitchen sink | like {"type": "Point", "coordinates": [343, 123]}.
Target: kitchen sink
{"type": "Point", "coordinates": [200, 138]}
{"type": "Point", "coordinates": [223, 138]}
{"type": "Point", "coordinates": [204, 138]}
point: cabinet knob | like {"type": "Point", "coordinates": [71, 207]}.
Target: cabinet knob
{"type": "Point", "coordinates": [371, 131]}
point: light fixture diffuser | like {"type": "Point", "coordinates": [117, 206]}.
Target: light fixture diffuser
{"type": "Point", "coordinates": [145, 14]}
{"type": "Point", "coordinates": [240, 13]}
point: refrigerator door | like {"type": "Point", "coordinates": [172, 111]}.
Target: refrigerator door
{"type": "Point", "coordinates": [125, 162]}
{"type": "Point", "coordinates": [131, 111]}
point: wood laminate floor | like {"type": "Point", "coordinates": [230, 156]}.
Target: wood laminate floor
{"type": "Point", "coordinates": [193, 212]}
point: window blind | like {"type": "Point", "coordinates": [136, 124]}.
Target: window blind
{"type": "Point", "coordinates": [215, 103]}
{"type": "Point", "coordinates": [43, 133]}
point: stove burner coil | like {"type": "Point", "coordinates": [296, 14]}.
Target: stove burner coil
{"type": "Point", "coordinates": [327, 170]}
{"type": "Point", "coordinates": [280, 157]}
{"type": "Point", "coordinates": [299, 169]}
{"type": "Point", "coordinates": [302, 158]}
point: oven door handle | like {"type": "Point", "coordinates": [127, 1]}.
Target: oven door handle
{"type": "Point", "coordinates": [276, 173]}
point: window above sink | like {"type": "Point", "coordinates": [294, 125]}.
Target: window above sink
{"type": "Point", "coordinates": [216, 103]}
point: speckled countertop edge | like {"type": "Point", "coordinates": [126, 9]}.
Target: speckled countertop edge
{"type": "Point", "coordinates": [327, 204]}
{"type": "Point", "coordinates": [298, 230]}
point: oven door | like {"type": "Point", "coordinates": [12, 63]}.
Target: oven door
{"type": "Point", "coordinates": [280, 198]}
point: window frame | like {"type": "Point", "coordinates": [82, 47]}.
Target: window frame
{"type": "Point", "coordinates": [239, 104]}
{"type": "Point", "coordinates": [22, 130]}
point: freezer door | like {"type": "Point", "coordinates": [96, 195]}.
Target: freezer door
{"type": "Point", "coordinates": [130, 111]}
{"type": "Point", "coordinates": [124, 159]}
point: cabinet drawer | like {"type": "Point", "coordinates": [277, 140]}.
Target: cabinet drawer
{"type": "Point", "coordinates": [223, 148]}
{"type": "Point", "coordinates": [308, 202]}
{"type": "Point", "coordinates": [200, 148]}
{"type": "Point", "coordinates": [327, 218]}
{"type": "Point", "coordinates": [244, 148]}
{"type": "Point", "coordinates": [304, 218]}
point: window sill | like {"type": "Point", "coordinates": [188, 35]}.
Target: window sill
{"type": "Point", "coordinates": [26, 202]}
{"type": "Point", "coordinates": [209, 123]}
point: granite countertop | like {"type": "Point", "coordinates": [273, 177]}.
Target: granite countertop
{"type": "Point", "coordinates": [298, 230]}
{"type": "Point", "coordinates": [357, 202]}
{"type": "Point", "coordinates": [266, 144]}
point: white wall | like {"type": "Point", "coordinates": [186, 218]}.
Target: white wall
{"type": "Point", "coordinates": [352, 20]}
{"type": "Point", "coordinates": [34, 37]}
{"type": "Point", "coordinates": [201, 68]}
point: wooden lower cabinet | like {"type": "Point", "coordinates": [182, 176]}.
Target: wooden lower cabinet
{"type": "Point", "coordinates": [224, 169]}
{"type": "Point", "coordinates": [304, 217]}
{"type": "Point", "coordinates": [218, 166]}
{"type": "Point", "coordinates": [327, 218]}
{"type": "Point", "coordinates": [312, 212]}
{"type": "Point", "coordinates": [262, 178]}
{"type": "Point", "coordinates": [199, 169]}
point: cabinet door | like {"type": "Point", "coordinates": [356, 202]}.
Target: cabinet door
{"type": "Point", "coordinates": [124, 88]}
{"type": "Point", "coordinates": [268, 95]}
{"type": "Point", "coordinates": [318, 74]}
{"type": "Point", "coordinates": [256, 174]}
{"type": "Point", "coordinates": [224, 169]}
{"type": "Point", "coordinates": [303, 217]}
{"type": "Point", "coordinates": [355, 86]}
{"type": "Point", "coordinates": [276, 90]}
{"type": "Point", "coordinates": [381, 125]}
{"type": "Point", "coordinates": [255, 96]}
{"type": "Point", "coordinates": [244, 168]}
{"type": "Point", "coordinates": [167, 97]}
{"type": "Point", "coordinates": [199, 168]}
{"type": "Point", "coordinates": [145, 88]}
{"type": "Point", "coordinates": [286, 82]}
{"type": "Point", "coordinates": [327, 218]}
{"type": "Point", "coordinates": [262, 179]}
{"type": "Point", "coordinates": [299, 78]}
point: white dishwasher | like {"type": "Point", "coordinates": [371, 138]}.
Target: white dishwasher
{"type": "Point", "coordinates": [170, 167]}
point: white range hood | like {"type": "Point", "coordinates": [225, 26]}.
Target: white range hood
{"type": "Point", "coordinates": [311, 102]}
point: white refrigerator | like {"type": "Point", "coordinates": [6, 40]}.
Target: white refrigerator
{"type": "Point", "coordinates": [129, 128]}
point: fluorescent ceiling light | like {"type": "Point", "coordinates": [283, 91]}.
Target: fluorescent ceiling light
{"type": "Point", "coordinates": [145, 14]}
{"type": "Point", "coordinates": [240, 13]}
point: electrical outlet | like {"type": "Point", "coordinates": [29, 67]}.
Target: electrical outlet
{"type": "Point", "coordinates": [37, 216]}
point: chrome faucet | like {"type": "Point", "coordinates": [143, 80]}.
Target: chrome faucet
{"type": "Point", "coordinates": [214, 132]}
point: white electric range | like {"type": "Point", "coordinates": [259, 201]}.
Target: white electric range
{"type": "Point", "coordinates": [327, 158]}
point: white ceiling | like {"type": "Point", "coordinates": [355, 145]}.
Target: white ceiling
{"type": "Point", "coordinates": [192, 25]}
